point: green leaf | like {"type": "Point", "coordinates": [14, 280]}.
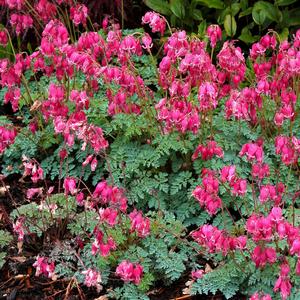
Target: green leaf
{"type": "Point", "coordinates": [202, 28]}
{"type": "Point", "coordinates": [247, 37]}
{"type": "Point", "coordinates": [259, 16]}
{"type": "Point", "coordinates": [230, 25]}
{"type": "Point", "coordinates": [197, 14]}
{"type": "Point", "coordinates": [218, 4]}
{"type": "Point", "coordinates": [160, 6]}
{"type": "Point", "coordinates": [263, 9]}
{"type": "Point", "coordinates": [178, 9]}
{"type": "Point", "coordinates": [284, 34]}
{"type": "Point", "coordinates": [246, 12]}
{"type": "Point", "coordinates": [284, 2]}
{"type": "Point", "coordinates": [294, 17]}
{"type": "Point", "coordinates": [2, 259]}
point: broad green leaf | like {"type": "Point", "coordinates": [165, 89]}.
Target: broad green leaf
{"type": "Point", "coordinates": [246, 12]}
{"type": "Point", "coordinates": [202, 28]}
{"type": "Point", "coordinates": [294, 17]}
{"type": "Point", "coordinates": [178, 9]}
{"type": "Point", "coordinates": [269, 10]}
{"type": "Point", "coordinates": [230, 25]}
{"type": "Point", "coordinates": [284, 34]}
{"type": "Point", "coordinates": [218, 4]}
{"type": "Point", "coordinates": [247, 37]}
{"type": "Point", "coordinates": [259, 16]}
{"type": "Point", "coordinates": [160, 6]}
{"type": "Point", "coordinates": [230, 10]}
{"type": "Point", "coordinates": [284, 2]}
{"type": "Point", "coordinates": [197, 15]}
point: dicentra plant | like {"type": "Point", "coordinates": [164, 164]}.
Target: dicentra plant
{"type": "Point", "coordinates": [163, 162]}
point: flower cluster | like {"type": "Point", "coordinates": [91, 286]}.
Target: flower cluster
{"type": "Point", "coordinates": [7, 137]}
{"type": "Point", "coordinates": [207, 152]}
{"type": "Point", "coordinates": [43, 267]}
{"type": "Point", "coordinates": [139, 224]}
{"type": "Point", "coordinates": [215, 240]}
{"type": "Point", "coordinates": [130, 272]}
{"type": "Point", "coordinates": [207, 195]}
{"type": "Point", "coordinates": [31, 168]}
{"type": "Point", "coordinates": [92, 278]}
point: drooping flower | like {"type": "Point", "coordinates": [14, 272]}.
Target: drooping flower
{"type": "Point", "coordinates": [92, 278]}
{"type": "Point", "coordinates": [214, 33]}
{"type": "Point", "coordinates": [155, 21]}
{"type": "Point", "coordinates": [139, 224]}
{"type": "Point", "coordinates": [43, 267]}
{"type": "Point", "coordinates": [129, 271]}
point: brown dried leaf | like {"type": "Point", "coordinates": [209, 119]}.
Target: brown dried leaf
{"type": "Point", "coordinates": [104, 297]}
{"type": "Point", "coordinates": [208, 268]}
{"type": "Point", "coordinates": [19, 259]}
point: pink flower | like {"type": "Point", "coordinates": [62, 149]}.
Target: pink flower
{"type": "Point", "coordinates": [79, 14]}
{"type": "Point", "coordinates": [295, 249]}
{"type": "Point", "coordinates": [80, 199]}
{"type": "Point", "coordinates": [214, 33]}
{"type": "Point", "coordinates": [33, 192]}
{"type": "Point", "coordinates": [44, 268]}
{"type": "Point", "coordinates": [3, 38]}
{"type": "Point", "coordinates": [18, 228]}
{"type": "Point", "coordinates": [231, 59]}
{"type": "Point", "coordinates": [13, 96]}
{"type": "Point", "coordinates": [239, 186]}
{"type": "Point", "coordinates": [261, 256]}
{"type": "Point", "coordinates": [139, 224]}
{"type": "Point", "coordinates": [260, 228]}
{"type": "Point", "coordinates": [260, 296]}
{"type": "Point", "coordinates": [80, 99]}
{"type": "Point", "coordinates": [253, 151]}
{"type": "Point", "coordinates": [46, 10]}
{"type": "Point", "coordinates": [208, 194]}
{"type": "Point", "coordinates": [7, 137]}
{"type": "Point", "coordinates": [260, 171]}
{"type": "Point", "coordinates": [109, 194]}
{"type": "Point", "coordinates": [31, 168]}
{"type": "Point", "coordinates": [207, 96]}
{"type": "Point", "coordinates": [207, 152]}
{"type": "Point", "coordinates": [197, 274]}
{"type": "Point", "coordinates": [287, 148]}
{"type": "Point", "coordinates": [297, 271]}
{"type": "Point", "coordinates": [283, 283]}
{"type": "Point", "coordinates": [92, 278]}
{"type": "Point", "coordinates": [109, 215]}
{"type": "Point", "coordinates": [147, 42]}
{"type": "Point", "coordinates": [15, 4]}
{"type": "Point", "coordinates": [155, 21]}
{"type": "Point", "coordinates": [100, 246]}
{"type": "Point", "coordinates": [228, 174]}
{"type": "Point", "coordinates": [129, 271]}
{"type": "Point", "coordinates": [70, 186]}
{"type": "Point", "coordinates": [21, 22]}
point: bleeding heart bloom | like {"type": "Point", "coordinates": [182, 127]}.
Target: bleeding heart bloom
{"type": "Point", "coordinates": [70, 186]}
{"type": "Point", "coordinates": [283, 283]}
{"type": "Point", "coordinates": [92, 278]}
{"type": "Point", "coordinates": [262, 256]}
{"type": "Point", "coordinates": [129, 271]}
{"type": "Point", "coordinates": [79, 14]}
{"type": "Point", "coordinates": [155, 21]}
{"type": "Point", "coordinates": [44, 268]}
{"type": "Point", "coordinates": [139, 224]}
{"type": "Point", "coordinates": [7, 137]}
{"type": "Point", "coordinates": [214, 33]}
{"type": "Point", "coordinates": [207, 152]}
{"type": "Point", "coordinates": [3, 38]}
